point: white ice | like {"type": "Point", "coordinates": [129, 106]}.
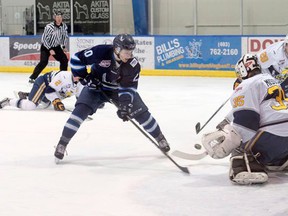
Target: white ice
{"type": "Point", "coordinates": [113, 170]}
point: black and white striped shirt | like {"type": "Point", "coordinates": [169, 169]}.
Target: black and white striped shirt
{"type": "Point", "coordinates": [54, 35]}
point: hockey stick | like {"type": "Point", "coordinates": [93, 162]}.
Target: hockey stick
{"type": "Point", "coordinates": [183, 169]}
{"type": "Point", "coordinates": [198, 127]}
{"type": "Point", "coordinates": [188, 156]}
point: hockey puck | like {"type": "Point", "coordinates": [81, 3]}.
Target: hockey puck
{"type": "Point", "coordinates": [197, 146]}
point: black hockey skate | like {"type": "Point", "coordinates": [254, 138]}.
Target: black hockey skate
{"type": "Point", "coordinates": [4, 102]}
{"type": "Point", "coordinates": [23, 95]}
{"type": "Point", "coordinates": [101, 106]}
{"type": "Point", "coordinates": [45, 103]}
{"type": "Point", "coordinates": [31, 81]}
{"type": "Point", "coordinates": [162, 143]}
{"type": "Point", "coordinates": [59, 152]}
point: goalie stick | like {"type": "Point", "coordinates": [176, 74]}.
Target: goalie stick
{"type": "Point", "coordinates": [183, 169]}
{"type": "Point", "coordinates": [188, 156]}
{"type": "Point", "coordinates": [198, 127]}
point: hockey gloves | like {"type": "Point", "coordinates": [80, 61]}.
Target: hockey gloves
{"type": "Point", "coordinates": [90, 82]}
{"type": "Point", "coordinates": [124, 111]}
{"type": "Point", "coordinates": [58, 105]}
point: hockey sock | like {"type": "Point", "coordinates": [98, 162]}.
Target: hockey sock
{"type": "Point", "coordinates": [15, 102]}
{"type": "Point", "coordinates": [147, 121]}
{"type": "Point", "coordinates": [79, 114]}
{"type": "Point", "coordinates": [19, 103]}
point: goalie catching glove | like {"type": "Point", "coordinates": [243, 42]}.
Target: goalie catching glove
{"type": "Point", "coordinates": [58, 105]}
{"type": "Point", "coordinates": [221, 143]}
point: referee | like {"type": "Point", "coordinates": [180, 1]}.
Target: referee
{"type": "Point", "coordinates": [54, 40]}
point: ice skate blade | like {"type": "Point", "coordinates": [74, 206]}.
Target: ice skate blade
{"type": "Point", "coordinates": [57, 160]}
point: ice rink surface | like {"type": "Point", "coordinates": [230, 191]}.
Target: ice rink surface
{"type": "Point", "coordinates": [113, 170]}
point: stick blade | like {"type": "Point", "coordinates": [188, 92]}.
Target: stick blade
{"type": "Point", "coordinates": [197, 127]}
{"type": "Point", "coordinates": [188, 156]}
{"type": "Point", "coordinates": [185, 169]}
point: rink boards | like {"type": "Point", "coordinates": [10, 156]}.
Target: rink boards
{"type": "Point", "coordinates": [213, 56]}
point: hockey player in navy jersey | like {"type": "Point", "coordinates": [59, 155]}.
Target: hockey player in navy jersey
{"type": "Point", "coordinates": [114, 74]}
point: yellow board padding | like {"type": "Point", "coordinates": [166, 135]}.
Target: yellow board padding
{"type": "Point", "coordinates": [144, 72]}
{"type": "Point", "coordinates": [203, 73]}
{"type": "Point", "coordinates": [15, 69]}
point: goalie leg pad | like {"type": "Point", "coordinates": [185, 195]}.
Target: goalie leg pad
{"type": "Point", "coordinates": [245, 170]}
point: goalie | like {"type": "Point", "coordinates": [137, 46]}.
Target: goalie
{"type": "Point", "coordinates": [256, 133]}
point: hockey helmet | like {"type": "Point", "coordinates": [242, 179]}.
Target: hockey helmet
{"type": "Point", "coordinates": [123, 41]}
{"type": "Point", "coordinates": [245, 65]}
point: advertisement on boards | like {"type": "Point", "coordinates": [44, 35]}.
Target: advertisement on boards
{"type": "Point", "coordinates": [26, 51]}
{"type": "Point", "coordinates": [183, 53]}
{"type": "Point", "coordinates": [144, 50]}
{"type": "Point", "coordinates": [258, 43]}
{"type": "Point", "coordinates": [24, 48]}
{"type": "Point", "coordinates": [197, 52]}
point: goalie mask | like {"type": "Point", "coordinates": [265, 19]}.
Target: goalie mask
{"type": "Point", "coordinates": [221, 143]}
{"type": "Point", "coordinates": [246, 65]}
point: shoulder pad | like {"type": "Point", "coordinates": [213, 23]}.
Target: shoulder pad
{"type": "Point", "coordinates": [134, 62]}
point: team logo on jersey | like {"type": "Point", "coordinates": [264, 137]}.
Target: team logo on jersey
{"type": "Point", "coordinates": [134, 62]}
{"type": "Point", "coordinates": [105, 63]}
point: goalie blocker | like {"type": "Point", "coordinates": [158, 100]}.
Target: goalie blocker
{"type": "Point", "coordinates": [244, 169]}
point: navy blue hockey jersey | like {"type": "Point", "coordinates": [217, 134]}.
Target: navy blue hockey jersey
{"type": "Point", "coordinates": [105, 69]}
